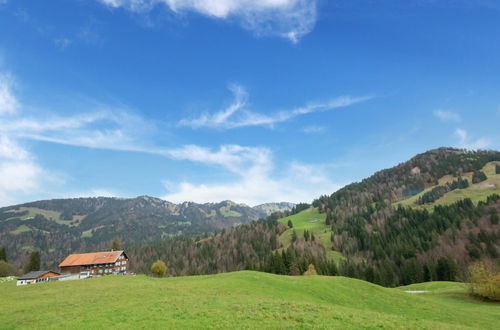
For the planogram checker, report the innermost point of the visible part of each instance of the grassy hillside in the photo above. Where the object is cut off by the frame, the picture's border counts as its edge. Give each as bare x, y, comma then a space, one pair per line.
476, 192
239, 300
314, 222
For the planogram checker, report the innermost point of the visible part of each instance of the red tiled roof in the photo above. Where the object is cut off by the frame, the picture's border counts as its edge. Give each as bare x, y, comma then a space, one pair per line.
91, 258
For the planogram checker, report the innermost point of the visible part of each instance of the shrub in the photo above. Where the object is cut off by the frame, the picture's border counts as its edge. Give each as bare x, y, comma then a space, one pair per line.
311, 270
159, 268
485, 280
6, 269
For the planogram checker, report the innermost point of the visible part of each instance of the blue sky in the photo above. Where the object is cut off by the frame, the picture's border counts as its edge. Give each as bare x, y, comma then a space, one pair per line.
253, 101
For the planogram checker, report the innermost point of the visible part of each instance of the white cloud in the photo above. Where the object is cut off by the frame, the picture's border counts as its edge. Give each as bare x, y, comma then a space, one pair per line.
466, 142
313, 129
106, 128
236, 115
448, 116
101, 128
19, 172
256, 183
291, 19
8, 102
62, 43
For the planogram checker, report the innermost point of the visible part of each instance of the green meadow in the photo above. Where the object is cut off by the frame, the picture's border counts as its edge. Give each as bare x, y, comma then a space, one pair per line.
476, 192
302, 221
243, 300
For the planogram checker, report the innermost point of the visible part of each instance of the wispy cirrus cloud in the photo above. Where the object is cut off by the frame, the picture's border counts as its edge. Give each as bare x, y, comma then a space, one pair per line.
8, 102
291, 19
62, 43
237, 115
251, 170
101, 128
314, 129
447, 116
465, 141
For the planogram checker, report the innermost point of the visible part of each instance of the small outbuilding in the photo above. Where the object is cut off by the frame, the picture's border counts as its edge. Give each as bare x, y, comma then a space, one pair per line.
36, 277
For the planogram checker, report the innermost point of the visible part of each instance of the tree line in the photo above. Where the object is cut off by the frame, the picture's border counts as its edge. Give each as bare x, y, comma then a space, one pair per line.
439, 191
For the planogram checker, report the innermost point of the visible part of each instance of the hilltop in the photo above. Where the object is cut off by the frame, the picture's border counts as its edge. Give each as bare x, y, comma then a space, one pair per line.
243, 300
433, 214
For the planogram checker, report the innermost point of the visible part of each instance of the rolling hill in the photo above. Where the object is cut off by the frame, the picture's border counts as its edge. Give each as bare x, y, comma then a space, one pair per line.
244, 300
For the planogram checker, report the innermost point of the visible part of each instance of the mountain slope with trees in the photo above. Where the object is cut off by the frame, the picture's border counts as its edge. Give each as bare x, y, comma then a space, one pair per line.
363, 231
390, 242
396, 227
62, 226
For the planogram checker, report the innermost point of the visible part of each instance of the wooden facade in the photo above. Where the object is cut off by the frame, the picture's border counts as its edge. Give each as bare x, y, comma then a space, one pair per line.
98, 263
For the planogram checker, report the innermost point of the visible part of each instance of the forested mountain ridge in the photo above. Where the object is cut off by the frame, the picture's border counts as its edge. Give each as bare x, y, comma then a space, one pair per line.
424, 219
407, 179
365, 230
389, 237
61, 226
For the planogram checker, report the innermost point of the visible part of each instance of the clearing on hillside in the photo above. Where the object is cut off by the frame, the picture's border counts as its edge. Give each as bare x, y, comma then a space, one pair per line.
476, 192
314, 222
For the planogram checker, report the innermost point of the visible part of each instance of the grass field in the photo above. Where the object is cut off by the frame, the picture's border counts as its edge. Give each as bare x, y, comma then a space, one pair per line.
476, 192
301, 221
240, 300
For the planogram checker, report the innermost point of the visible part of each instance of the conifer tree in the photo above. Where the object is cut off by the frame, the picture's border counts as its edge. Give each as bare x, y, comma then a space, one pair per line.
328, 220
478, 176
3, 254
34, 262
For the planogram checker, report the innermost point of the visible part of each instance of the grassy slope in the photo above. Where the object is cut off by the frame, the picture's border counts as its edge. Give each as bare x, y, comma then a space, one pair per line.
476, 192
301, 222
238, 300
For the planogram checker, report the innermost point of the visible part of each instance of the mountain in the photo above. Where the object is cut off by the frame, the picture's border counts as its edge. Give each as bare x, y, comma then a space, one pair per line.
270, 208
433, 214
61, 226
381, 229
425, 219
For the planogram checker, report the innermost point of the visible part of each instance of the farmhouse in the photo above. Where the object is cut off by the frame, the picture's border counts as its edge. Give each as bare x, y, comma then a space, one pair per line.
36, 277
97, 263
